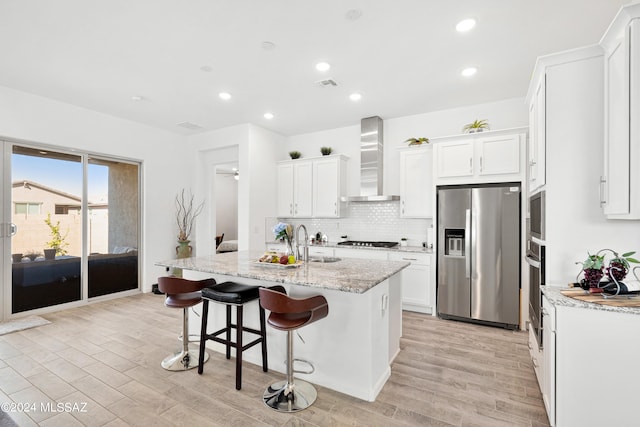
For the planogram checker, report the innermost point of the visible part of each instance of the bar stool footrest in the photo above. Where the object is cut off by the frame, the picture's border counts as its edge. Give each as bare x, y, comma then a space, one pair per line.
311, 367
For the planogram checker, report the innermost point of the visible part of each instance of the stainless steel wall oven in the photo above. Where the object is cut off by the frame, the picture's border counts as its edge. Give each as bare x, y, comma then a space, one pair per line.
535, 259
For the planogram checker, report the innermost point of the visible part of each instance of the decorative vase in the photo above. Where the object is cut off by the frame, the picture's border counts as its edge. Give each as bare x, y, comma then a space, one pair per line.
289, 248
183, 250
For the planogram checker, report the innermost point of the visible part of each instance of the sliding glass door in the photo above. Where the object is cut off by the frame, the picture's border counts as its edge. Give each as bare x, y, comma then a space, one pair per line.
70, 227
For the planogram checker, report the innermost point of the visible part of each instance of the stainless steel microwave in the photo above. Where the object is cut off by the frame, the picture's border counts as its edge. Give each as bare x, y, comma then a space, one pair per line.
537, 215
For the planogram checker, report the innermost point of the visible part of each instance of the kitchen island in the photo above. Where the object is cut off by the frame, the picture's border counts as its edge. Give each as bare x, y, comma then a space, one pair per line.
352, 348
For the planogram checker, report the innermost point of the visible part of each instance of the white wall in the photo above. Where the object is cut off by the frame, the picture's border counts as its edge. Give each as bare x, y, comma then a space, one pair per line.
35, 119
505, 114
257, 152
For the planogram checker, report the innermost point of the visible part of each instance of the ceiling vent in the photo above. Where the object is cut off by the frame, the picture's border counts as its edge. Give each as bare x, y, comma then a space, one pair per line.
327, 83
190, 126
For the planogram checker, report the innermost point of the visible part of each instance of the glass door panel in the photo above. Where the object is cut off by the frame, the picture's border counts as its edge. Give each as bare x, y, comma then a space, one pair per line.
113, 226
46, 249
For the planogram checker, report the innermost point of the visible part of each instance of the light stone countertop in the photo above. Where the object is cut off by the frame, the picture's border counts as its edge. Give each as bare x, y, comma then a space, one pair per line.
556, 298
347, 275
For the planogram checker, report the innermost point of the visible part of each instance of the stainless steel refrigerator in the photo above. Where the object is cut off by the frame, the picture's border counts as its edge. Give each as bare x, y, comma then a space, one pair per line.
478, 269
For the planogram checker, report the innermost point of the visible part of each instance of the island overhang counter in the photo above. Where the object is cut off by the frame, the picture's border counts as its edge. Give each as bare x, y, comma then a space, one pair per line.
351, 349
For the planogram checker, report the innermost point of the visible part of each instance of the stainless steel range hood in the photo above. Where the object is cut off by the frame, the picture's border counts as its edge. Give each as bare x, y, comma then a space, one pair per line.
371, 163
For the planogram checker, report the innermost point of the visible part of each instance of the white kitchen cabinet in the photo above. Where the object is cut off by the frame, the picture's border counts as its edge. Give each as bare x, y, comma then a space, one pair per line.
548, 386
537, 135
536, 358
311, 188
361, 253
329, 184
417, 289
295, 189
416, 182
483, 157
620, 183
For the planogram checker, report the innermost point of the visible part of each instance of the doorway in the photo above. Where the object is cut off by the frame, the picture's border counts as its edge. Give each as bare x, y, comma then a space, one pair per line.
226, 205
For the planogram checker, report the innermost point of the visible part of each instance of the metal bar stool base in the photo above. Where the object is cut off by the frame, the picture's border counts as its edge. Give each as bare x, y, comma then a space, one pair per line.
183, 361
285, 397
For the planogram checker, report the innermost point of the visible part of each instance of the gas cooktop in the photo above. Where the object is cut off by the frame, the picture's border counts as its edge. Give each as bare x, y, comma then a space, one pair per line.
367, 244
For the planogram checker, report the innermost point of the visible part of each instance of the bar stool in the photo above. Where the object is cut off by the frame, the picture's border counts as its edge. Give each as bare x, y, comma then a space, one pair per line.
289, 314
232, 294
183, 293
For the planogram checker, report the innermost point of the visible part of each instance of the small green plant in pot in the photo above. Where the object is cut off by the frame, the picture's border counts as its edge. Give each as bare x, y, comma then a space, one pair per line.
417, 141
592, 267
476, 126
295, 154
326, 151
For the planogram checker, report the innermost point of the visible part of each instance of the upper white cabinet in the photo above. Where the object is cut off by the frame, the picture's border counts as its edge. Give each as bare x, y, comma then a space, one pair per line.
416, 182
295, 179
495, 156
329, 184
311, 187
620, 183
536, 161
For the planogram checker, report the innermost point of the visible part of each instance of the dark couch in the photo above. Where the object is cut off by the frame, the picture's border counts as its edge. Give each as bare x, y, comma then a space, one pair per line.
44, 283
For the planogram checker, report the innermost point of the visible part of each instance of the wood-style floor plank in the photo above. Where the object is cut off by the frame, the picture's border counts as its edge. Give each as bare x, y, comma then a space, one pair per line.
108, 354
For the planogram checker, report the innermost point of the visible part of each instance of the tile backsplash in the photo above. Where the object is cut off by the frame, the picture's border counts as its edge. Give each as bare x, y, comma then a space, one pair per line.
375, 221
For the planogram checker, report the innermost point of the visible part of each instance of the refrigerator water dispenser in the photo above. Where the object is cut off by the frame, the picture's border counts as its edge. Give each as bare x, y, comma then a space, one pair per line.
454, 242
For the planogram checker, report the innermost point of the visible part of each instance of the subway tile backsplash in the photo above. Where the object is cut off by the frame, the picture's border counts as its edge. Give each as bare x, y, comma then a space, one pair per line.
364, 221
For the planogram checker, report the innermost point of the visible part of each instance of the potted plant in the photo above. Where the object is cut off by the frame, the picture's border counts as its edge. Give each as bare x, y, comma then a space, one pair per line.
417, 141
326, 150
592, 267
295, 154
186, 214
476, 126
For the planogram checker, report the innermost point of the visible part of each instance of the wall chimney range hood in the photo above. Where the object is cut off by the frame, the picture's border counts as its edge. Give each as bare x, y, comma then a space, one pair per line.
371, 163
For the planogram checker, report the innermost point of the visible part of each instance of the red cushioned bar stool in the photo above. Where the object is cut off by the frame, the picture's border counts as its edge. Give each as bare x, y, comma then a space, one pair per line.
183, 293
289, 314
233, 294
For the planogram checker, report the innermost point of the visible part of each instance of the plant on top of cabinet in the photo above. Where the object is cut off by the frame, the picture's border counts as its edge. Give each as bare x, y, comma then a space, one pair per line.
295, 154
476, 126
326, 150
417, 141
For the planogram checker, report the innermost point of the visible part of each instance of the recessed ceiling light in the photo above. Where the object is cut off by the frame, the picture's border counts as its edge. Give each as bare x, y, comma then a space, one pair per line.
465, 25
355, 97
322, 66
137, 98
224, 95
268, 45
206, 68
468, 72
268, 116
353, 14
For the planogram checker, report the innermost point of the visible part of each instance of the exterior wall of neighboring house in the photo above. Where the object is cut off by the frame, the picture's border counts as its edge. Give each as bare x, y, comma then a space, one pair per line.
33, 231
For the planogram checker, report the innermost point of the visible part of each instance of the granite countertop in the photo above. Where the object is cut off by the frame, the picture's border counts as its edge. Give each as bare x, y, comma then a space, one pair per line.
556, 298
347, 275
415, 249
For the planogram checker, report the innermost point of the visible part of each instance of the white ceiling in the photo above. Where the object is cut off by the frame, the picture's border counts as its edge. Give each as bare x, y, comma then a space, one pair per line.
403, 56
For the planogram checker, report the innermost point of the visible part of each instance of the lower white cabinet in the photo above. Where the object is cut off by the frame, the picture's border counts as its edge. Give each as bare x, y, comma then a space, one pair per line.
548, 386
417, 292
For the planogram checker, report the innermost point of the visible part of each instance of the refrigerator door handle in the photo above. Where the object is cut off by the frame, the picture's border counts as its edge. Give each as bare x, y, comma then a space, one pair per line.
467, 238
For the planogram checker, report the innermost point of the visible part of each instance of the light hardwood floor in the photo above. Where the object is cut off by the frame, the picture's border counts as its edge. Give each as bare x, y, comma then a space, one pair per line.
108, 355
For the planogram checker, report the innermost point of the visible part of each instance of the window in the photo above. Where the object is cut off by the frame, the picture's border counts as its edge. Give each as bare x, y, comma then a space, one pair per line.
27, 208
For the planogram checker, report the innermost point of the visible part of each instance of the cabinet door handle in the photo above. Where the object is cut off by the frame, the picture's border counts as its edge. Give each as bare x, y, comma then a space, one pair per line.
471, 164
603, 189
532, 162
335, 208
295, 211
410, 259
290, 208
544, 312
481, 164
535, 363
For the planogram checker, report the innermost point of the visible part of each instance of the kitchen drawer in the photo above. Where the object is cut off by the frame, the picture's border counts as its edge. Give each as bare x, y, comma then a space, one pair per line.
412, 257
319, 251
361, 253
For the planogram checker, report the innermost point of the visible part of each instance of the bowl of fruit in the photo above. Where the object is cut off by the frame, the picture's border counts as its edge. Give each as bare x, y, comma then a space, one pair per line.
278, 260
